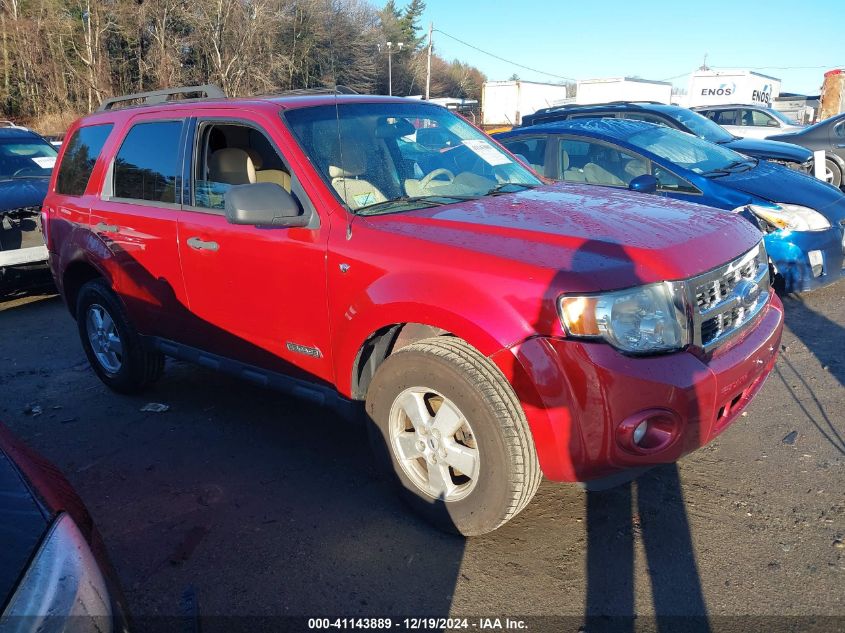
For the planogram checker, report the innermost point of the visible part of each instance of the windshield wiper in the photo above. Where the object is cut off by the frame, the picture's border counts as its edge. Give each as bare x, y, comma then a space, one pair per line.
732, 168
500, 188
435, 200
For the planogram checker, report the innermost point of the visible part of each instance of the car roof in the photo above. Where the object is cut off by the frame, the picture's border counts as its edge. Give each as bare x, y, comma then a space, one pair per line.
274, 102
617, 129
14, 132
616, 106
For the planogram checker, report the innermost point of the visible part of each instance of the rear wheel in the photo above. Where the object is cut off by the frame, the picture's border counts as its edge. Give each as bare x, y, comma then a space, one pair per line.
112, 344
447, 427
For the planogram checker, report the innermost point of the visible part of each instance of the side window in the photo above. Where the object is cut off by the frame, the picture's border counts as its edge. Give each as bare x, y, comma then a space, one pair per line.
532, 149
80, 156
598, 163
148, 163
761, 119
724, 117
229, 154
667, 181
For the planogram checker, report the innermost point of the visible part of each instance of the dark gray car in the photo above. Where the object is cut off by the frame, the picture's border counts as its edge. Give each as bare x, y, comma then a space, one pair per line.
827, 135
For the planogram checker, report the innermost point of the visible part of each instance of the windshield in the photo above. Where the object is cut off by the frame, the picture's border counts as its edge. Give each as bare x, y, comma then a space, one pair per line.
690, 152
392, 156
25, 158
783, 118
701, 126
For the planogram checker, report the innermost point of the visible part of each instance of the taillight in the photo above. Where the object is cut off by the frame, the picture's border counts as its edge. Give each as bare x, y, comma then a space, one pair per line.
45, 215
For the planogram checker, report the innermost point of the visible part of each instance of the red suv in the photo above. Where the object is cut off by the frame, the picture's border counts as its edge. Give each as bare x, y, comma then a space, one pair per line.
375, 249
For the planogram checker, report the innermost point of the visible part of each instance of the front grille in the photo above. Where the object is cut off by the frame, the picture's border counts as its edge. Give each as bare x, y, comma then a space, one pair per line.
726, 299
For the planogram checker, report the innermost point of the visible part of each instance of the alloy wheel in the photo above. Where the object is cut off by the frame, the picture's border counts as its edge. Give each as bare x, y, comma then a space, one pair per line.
434, 444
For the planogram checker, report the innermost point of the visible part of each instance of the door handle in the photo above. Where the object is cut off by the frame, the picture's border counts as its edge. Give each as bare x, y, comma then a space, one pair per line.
200, 244
102, 227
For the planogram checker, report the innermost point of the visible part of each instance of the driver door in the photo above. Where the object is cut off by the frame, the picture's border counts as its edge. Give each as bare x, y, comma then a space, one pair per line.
256, 294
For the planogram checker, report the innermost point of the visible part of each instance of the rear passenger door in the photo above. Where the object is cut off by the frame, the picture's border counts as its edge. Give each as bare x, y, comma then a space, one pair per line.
257, 294
135, 221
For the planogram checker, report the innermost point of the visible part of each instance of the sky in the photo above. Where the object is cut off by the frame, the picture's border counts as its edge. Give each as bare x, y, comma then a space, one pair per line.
652, 39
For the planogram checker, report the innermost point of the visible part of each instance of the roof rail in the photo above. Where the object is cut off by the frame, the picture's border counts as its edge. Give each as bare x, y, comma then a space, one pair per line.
341, 90
208, 91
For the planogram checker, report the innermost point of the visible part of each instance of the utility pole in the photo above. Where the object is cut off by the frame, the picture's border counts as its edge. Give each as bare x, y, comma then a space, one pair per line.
428, 72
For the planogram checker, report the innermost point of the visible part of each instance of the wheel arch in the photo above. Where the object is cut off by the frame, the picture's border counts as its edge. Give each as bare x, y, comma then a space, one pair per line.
76, 275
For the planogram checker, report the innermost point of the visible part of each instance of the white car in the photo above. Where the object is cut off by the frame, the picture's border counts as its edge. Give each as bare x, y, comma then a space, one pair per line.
749, 120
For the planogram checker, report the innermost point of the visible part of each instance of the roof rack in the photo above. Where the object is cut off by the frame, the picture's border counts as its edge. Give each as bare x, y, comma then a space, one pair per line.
341, 90
208, 91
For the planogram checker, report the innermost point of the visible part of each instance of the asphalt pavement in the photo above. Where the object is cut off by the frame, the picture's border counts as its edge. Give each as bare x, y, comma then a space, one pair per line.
253, 503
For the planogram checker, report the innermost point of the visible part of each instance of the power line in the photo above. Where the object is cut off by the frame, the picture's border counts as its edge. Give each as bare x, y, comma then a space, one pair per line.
507, 61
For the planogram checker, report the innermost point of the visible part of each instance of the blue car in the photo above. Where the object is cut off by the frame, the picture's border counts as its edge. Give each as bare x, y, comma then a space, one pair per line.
802, 218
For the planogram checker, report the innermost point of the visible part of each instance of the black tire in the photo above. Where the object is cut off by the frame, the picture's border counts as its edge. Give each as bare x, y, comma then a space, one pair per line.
836, 172
509, 471
139, 365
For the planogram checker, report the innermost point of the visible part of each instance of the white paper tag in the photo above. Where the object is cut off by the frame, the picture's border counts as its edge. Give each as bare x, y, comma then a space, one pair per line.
487, 152
45, 162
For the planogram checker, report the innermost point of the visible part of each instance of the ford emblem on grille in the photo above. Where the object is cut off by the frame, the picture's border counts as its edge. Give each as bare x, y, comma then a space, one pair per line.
747, 292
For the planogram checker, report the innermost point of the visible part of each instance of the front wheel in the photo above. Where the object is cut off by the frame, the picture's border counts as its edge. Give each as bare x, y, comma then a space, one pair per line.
112, 344
833, 174
448, 428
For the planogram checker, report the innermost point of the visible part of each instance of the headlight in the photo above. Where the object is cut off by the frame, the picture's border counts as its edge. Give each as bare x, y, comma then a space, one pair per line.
63, 588
641, 320
790, 216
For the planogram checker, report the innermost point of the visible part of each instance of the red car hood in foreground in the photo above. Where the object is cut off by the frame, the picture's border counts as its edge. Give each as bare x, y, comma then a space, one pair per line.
595, 238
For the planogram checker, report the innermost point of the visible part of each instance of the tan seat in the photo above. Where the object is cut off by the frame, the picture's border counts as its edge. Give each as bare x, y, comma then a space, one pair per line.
600, 176
277, 176
231, 166
636, 167
570, 174
345, 170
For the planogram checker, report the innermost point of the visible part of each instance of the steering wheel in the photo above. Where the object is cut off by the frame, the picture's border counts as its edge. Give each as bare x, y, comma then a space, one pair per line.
20, 171
434, 174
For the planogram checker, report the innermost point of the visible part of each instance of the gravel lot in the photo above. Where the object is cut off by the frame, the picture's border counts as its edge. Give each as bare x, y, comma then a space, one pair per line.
265, 505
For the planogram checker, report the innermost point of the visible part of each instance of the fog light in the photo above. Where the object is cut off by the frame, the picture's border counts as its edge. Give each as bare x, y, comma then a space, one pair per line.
639, 432
816, 262
649, 431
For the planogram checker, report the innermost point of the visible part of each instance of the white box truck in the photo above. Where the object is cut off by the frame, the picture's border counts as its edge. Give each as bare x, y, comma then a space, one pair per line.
720, 87
622, 89
504, 103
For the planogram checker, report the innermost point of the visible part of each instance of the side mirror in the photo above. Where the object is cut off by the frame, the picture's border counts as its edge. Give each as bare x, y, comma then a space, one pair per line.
263, 204
644, 184
772, 123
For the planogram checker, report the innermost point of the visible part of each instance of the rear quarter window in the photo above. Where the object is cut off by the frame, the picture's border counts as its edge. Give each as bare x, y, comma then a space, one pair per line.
80, 156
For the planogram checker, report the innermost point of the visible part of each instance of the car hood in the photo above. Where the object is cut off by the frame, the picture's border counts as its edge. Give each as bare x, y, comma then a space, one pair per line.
589, 237
22, 524
22, 192
781, 184
768, 149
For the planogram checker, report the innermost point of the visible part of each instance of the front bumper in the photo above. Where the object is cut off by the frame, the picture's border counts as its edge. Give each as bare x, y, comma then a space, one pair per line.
790, 253
580, 397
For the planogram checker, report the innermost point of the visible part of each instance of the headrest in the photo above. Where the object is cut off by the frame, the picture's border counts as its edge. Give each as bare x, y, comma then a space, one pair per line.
564, 159
232, 166
255, 157
390, 127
